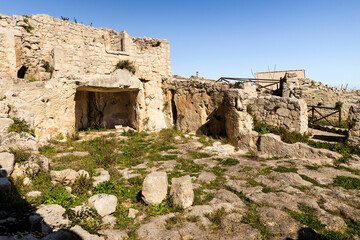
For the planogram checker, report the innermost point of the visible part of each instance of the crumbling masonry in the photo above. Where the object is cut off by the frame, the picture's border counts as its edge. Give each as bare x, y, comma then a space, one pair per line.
60, 76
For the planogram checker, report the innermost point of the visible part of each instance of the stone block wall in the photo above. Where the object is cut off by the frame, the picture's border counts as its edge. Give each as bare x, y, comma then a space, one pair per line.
78, 49
315, 92
354, 119
196, 105
290, 113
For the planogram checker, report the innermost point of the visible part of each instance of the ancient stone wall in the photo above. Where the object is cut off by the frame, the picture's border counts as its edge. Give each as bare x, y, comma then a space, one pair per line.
315, 93
354, 119
196, 105
290, 113
75, 48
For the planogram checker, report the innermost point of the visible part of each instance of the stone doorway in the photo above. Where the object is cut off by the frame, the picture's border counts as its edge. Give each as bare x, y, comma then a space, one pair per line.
95, 109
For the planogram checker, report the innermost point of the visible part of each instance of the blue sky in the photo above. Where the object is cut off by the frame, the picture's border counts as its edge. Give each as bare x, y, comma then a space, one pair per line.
231, 38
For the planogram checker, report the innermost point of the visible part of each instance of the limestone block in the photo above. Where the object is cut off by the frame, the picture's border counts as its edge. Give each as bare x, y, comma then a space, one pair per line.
182, 192
5, 124
7, 161
104, 204
270, 145
154, 188
53, 215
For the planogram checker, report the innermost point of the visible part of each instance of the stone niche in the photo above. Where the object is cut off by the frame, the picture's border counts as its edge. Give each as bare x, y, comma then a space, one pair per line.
95, 109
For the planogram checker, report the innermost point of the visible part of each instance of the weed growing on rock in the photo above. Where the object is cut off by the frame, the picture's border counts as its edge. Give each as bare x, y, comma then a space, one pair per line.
173, 221
126, 64
20, 126
88, 219
20, 155
216, 217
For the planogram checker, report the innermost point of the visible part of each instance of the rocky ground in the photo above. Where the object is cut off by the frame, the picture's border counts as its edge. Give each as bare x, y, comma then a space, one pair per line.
193, 187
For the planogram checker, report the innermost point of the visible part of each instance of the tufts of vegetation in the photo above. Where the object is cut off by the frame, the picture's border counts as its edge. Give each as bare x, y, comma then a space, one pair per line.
339, 104
20, 126
206, 141
253, 219
126, 64
47, 150
307, 217
347, 182
230, 162
20, 155
88, 219
285, 169
215, 218
198, 155
48, 68
58, 195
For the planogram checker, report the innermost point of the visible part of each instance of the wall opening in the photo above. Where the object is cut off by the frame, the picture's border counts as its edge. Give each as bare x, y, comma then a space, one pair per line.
105, 109
21, 72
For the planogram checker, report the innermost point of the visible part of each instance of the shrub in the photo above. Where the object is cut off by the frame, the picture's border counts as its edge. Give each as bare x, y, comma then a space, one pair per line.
48, 68
20, 126
338, 104
126, 64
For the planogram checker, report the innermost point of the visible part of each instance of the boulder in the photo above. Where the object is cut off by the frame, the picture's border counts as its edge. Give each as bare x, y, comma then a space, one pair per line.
154, 188
84, 235
33, 194
104, 204
7, 161
113, 234
182, 192
5, 124
109, 220
132, 212
5, 185
23, 141
67, 175
53, 215
43, 161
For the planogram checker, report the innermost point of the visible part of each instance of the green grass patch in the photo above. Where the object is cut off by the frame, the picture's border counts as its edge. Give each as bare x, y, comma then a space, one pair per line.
306, 216
309, 179
230, 162
47, 150
265, 171
313, 167
285, 169
347, 182
198, 155
189, 166
253, 219
206, 141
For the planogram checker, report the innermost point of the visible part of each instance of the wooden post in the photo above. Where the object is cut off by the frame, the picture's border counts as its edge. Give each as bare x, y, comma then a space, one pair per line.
339, 117
312, 114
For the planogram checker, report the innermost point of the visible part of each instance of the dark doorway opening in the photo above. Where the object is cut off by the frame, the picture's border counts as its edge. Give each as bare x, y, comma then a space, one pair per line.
105, 109
21, 72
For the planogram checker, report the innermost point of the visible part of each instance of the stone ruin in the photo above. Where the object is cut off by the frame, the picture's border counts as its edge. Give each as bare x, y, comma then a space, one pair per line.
60, 76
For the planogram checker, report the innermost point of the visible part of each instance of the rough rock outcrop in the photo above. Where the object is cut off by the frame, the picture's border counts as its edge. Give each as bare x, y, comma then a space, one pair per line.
270, 145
